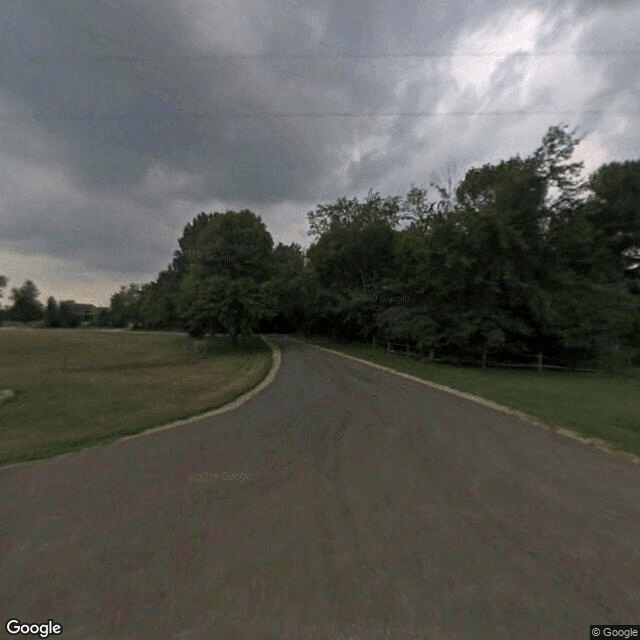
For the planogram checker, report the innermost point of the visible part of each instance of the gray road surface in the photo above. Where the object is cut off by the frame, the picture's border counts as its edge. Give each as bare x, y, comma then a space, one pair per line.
348, 504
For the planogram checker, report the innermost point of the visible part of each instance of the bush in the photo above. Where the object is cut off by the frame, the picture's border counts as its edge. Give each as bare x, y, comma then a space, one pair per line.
617, 359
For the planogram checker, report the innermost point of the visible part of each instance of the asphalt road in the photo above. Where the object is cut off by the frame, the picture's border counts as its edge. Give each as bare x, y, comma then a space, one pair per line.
348, 503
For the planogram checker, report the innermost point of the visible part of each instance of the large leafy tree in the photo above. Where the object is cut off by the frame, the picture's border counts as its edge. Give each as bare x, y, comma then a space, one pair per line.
26, 307
421, 275
286, 289
219, 303
235, 244
158, 300
229, 264
587, 308
345, 213
68, 314
352, 260
487, 254
183, 256
125, 305
615, 215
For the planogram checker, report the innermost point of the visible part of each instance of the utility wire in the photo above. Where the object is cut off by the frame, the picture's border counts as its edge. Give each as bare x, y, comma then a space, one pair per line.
89, 117
165, 57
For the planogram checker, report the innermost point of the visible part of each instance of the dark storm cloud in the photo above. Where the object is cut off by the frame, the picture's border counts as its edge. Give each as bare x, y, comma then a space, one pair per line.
126, 67
616, 74
124, 119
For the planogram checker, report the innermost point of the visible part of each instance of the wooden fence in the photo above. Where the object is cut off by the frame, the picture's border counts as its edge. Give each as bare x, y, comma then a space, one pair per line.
538, 363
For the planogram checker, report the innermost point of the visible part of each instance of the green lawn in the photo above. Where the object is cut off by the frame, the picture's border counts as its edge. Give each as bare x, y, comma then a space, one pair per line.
81, 387
594, 405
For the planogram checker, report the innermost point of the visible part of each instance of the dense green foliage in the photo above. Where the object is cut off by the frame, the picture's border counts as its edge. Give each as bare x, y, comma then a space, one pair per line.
26, 307
517, 258
520, 257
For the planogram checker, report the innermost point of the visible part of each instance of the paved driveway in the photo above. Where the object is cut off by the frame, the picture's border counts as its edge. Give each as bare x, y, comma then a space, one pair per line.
341, 502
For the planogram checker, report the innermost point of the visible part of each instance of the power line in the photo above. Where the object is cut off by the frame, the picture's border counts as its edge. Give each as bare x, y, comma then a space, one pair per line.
165, 57
88, 117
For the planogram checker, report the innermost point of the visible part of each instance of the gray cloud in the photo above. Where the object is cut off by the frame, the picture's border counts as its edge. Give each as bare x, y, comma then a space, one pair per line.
123, 119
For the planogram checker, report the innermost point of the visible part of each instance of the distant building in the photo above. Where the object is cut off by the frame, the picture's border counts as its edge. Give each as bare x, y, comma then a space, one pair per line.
87, 312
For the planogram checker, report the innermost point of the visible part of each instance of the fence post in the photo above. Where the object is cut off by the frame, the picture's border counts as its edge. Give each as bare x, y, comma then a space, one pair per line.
431, 355
484, 359
373, 342
388, 346
540, 362
188, 349
408, 352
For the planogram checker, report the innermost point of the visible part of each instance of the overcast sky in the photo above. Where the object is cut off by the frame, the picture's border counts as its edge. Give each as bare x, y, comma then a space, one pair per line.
120, 120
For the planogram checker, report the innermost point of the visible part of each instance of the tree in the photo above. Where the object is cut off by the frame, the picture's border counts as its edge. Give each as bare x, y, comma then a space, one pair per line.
235, 306
410, 324
125, 305
158, 300
51, 314
615, 215
590, 303
351, 258
559, 175
484, 258
234, 244
68, 314
184, 256
420, 211
345, 213
102, 318
26, 307
285, 287
230, 262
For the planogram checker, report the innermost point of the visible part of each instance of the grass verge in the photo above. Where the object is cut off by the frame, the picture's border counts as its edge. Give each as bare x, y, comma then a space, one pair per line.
77, 388
593, 405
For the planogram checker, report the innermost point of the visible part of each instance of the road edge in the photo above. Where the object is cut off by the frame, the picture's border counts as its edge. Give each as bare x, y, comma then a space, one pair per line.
563, 431
238, 402
276, 354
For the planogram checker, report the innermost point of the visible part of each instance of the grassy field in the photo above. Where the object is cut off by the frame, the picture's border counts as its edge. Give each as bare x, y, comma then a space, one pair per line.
593, 405
81, 387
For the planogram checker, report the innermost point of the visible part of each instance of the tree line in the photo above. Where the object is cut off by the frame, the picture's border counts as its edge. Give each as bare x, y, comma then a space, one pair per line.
519, 257
27, 308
